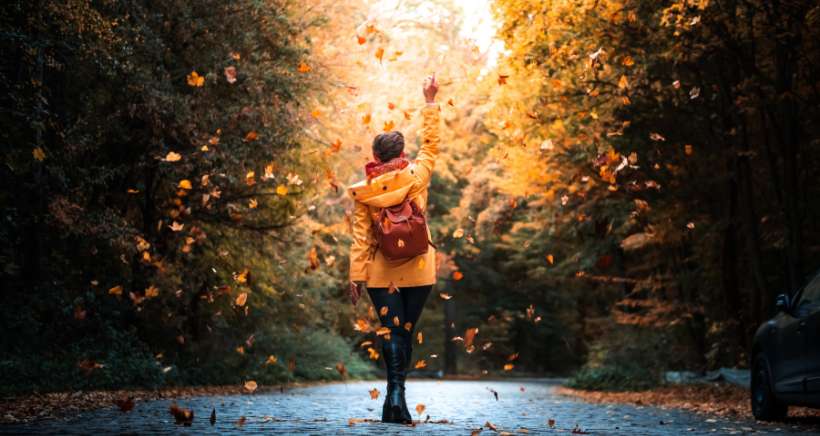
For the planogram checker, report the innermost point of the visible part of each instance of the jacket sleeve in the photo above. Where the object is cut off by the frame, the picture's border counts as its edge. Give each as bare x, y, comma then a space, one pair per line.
426, 159
362, 241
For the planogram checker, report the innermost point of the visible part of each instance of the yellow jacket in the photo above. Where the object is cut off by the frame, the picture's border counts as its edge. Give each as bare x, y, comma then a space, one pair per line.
367, 262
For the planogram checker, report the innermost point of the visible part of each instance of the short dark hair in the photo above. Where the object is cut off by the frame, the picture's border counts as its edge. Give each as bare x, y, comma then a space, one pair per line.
388, 145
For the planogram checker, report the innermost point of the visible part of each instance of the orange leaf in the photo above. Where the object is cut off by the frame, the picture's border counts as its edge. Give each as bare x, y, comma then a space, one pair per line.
383, 311
445, 296
366, 118
457, 275
420, 364
361, 39
388, 126
379, 53
419, 338
250, 386
251, 136
391, 105
195, 80
374, 393
336, 146
420, 408
502, 79
396, 321
304, 68
241, 299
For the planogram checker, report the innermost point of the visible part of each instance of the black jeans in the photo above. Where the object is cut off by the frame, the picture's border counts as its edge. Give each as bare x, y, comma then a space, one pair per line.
406, 304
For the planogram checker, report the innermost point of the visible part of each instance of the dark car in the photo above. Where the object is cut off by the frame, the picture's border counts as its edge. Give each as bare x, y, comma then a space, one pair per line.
786, 355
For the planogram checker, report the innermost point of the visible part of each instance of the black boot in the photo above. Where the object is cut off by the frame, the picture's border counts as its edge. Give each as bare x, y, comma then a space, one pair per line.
395, 406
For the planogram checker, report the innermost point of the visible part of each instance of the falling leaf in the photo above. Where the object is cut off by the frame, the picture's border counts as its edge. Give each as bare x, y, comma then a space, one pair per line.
469, 336
271, 360
151, 292
315, 113
512, 357
366, 118
281, 190
242, 276
382, 331
383, 311
38, 154
688, 149
391, 105
690, 226
181, 416
407, 115
491, 426
420, 364
450, 102
694, 93
374, 355
365, 343
361, 39
374, 393
395, 55
502, 79
195, 79
419, 338
336, 146
251, 136
508, 367
546, 145
445, 296
623, 83
457, 275
458, 233
252, 203
304, 68
340, 368
396, 321
230, 74
656, 137
420, 408
250, 386
379, 54
185, 184
550, 259
627, 61
116, 290
408, 326
241, 299
172, 157
388, 126
313, 258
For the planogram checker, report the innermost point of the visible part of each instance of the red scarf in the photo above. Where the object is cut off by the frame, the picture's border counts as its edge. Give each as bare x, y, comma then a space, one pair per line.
375, 169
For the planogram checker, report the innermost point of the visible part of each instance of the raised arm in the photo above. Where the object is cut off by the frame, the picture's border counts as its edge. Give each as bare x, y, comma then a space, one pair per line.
426, 158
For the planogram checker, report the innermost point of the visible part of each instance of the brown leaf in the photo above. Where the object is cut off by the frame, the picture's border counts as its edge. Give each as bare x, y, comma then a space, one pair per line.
374, 393
181, 415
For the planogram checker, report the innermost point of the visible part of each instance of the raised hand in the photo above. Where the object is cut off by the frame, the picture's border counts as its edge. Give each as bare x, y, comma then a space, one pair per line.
430, 88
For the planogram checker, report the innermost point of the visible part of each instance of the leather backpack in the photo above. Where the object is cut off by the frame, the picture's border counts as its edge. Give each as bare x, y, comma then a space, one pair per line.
401, 231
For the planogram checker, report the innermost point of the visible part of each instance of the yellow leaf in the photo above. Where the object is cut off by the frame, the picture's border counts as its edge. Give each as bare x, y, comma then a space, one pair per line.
241, 299
282, 190
241, 277
250, 386
185, 184
252, 204
38, 154
176, 227
195, 79
116, 290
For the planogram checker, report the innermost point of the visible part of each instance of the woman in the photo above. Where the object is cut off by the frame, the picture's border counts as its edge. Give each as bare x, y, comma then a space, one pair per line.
397, 288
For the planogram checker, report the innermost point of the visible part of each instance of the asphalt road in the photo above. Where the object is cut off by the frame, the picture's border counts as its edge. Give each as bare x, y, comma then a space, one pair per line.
453, 407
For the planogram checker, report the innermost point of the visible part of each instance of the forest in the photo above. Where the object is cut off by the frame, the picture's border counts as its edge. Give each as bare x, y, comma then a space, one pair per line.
624, 186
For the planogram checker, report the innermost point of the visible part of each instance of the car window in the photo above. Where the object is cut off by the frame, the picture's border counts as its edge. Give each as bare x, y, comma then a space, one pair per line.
810, 298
